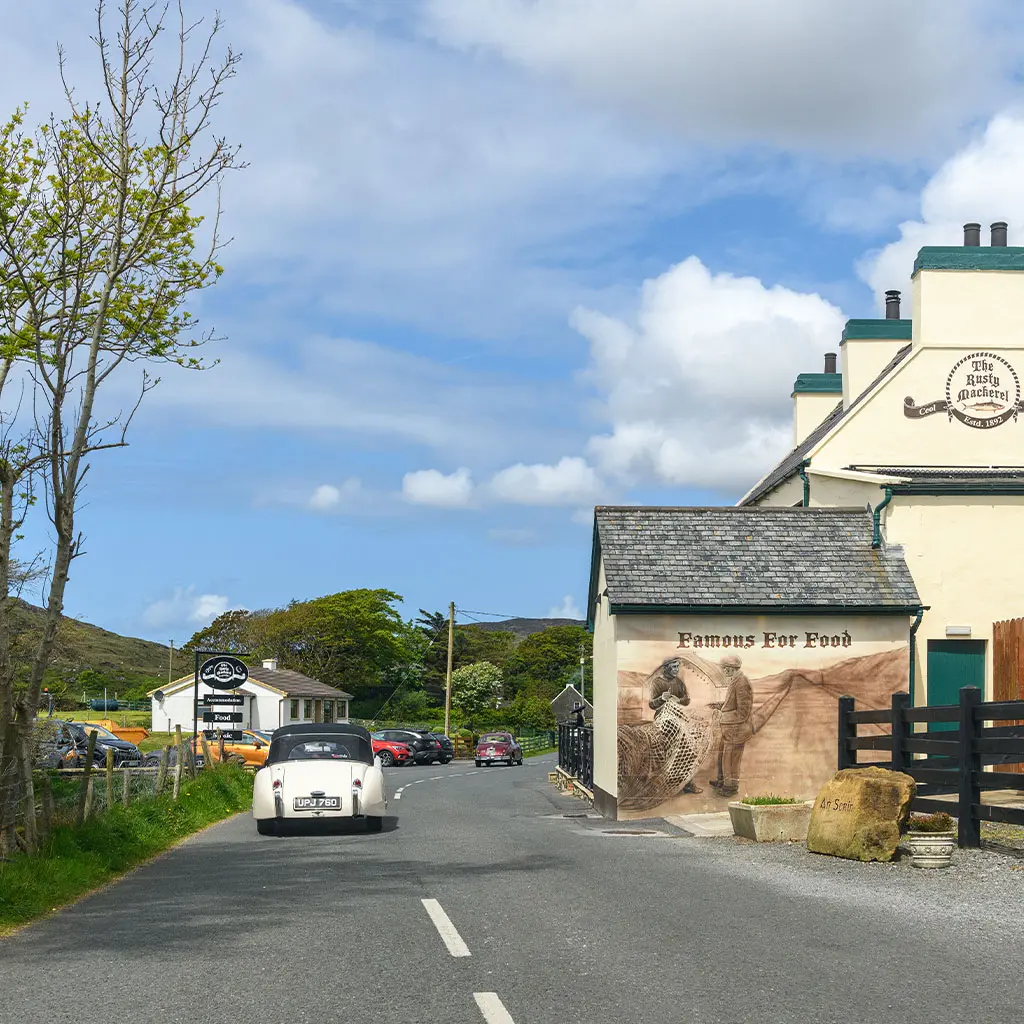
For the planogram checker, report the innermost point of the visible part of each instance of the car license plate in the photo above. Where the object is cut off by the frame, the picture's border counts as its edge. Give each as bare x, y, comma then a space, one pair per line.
316, 803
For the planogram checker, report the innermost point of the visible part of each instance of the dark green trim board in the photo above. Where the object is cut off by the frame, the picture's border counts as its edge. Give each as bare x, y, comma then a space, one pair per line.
965, 487
882, 330
807, 482
763, 609
914, 627
595, 563
818, 384
970, 257
876, 515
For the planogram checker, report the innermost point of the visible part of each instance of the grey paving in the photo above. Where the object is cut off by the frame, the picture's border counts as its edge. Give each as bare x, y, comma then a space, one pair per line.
565, 923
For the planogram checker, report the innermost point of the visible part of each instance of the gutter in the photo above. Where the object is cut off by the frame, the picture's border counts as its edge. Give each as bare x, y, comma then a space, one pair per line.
913, 644
876, 534
807, 483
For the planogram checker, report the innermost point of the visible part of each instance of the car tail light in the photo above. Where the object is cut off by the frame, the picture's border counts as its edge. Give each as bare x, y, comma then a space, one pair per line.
277, 784
357, 783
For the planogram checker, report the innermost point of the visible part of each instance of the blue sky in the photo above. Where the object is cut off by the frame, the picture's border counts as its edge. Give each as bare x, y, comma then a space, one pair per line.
495, 261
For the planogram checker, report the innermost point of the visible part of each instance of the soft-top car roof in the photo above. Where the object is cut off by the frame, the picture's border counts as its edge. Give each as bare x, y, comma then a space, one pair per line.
289, 736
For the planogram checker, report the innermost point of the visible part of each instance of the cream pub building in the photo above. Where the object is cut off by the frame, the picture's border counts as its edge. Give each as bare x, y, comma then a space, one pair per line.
873, 558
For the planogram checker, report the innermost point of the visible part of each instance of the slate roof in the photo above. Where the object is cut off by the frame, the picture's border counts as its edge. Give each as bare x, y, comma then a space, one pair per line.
291, 684
736, 558
791, 464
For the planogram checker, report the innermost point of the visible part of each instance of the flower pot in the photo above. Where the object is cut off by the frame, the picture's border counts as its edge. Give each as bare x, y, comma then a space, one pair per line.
770, 823
930, 849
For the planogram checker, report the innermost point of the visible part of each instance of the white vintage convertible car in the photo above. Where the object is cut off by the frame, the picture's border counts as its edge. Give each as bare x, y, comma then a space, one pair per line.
319, 772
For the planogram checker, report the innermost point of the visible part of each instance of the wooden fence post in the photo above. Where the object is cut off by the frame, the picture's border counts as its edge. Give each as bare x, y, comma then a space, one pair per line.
207, 758
220, 746
846, 731
126, 786
968, 734
46, 789
161, 772
83, 795
88, 796
110, 778
900, 705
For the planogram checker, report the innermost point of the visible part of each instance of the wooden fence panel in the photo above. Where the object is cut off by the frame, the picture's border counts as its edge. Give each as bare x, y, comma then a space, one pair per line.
1008, 670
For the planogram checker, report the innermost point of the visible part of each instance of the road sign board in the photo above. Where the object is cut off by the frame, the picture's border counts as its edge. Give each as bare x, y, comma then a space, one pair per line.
222, 716
223, 672
230, 735
224, 699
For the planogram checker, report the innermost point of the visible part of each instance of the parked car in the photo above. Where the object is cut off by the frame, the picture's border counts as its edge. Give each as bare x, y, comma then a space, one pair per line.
126, 754
253, 746
447, 747
498, 746
390, 752
426, 749
319, 771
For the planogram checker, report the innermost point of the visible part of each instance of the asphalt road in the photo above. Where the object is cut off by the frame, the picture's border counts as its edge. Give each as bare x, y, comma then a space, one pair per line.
562, 922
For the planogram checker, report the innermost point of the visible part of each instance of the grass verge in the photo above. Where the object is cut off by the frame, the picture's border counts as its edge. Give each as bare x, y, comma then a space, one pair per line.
78, 860
538, 753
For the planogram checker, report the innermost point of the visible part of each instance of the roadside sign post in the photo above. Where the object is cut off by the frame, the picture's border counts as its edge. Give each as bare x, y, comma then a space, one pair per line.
220, 671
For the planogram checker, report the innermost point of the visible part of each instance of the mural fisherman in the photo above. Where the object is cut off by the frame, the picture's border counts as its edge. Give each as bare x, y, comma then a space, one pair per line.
735, 727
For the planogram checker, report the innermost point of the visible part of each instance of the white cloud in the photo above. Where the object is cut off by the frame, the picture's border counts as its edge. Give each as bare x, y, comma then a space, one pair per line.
185, 608
571, 481
568, 609
843, 77
328, 498
980, 183
432, 487
697, 389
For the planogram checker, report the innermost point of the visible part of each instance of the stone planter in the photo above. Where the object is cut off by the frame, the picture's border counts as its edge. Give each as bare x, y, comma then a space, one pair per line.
930, 849
770, 823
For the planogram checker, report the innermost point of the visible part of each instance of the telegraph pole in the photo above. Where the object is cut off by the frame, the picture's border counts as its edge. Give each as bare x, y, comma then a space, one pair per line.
583, 685
448, 678
170, 663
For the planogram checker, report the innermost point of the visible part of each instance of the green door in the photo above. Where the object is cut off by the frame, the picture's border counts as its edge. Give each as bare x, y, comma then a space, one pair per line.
952, 664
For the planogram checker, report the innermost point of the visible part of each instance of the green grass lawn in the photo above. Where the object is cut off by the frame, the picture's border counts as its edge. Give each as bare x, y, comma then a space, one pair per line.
78, 860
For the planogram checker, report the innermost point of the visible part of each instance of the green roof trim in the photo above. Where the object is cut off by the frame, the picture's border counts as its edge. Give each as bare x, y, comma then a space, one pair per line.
818, 384
970, 257
883, 330
779, 608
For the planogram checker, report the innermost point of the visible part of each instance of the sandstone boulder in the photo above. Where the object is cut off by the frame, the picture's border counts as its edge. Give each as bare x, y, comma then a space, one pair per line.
859, 814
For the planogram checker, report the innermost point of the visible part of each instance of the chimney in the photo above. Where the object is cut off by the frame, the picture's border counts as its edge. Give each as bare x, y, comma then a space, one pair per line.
972, 234
892, 305
830, 362
999, 232
270, 664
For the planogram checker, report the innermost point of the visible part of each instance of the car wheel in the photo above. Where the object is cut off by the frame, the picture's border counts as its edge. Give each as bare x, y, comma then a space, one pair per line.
445, 760
374, 823
478, 763
520, 762
387, 759
266, 826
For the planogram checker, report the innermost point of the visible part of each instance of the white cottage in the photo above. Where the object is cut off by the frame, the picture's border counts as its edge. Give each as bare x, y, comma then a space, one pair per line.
274, 697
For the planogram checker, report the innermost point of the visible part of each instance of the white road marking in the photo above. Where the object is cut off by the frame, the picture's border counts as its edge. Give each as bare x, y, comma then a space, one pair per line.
434, 778
451, 938
492, 1008
398, 795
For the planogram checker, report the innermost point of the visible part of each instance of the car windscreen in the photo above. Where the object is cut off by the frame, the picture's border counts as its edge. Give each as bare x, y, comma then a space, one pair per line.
101, 733
494, 737
326, 747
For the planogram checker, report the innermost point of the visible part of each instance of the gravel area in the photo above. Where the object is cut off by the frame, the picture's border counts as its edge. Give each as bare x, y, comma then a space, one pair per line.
1006, 837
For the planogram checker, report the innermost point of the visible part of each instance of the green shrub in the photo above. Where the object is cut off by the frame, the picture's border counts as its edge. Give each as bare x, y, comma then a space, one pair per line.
758, 801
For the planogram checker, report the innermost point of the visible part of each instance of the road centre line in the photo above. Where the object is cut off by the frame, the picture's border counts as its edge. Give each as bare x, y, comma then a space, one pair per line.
449, 935
492, 1008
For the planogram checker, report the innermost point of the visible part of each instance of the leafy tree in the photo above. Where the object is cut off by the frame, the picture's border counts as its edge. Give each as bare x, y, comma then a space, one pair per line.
528, 711
233, 632
544, 662
476, 687
493, 645
98, 258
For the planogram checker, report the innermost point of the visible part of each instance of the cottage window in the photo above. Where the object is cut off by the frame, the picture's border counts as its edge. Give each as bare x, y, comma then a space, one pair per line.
293, 710
328, 710
307, 710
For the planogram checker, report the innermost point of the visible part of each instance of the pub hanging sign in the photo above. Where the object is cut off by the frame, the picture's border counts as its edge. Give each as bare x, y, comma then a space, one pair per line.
982, 391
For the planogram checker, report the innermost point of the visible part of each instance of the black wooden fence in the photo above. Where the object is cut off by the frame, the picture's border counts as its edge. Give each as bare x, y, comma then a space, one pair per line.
576, 752
961, 741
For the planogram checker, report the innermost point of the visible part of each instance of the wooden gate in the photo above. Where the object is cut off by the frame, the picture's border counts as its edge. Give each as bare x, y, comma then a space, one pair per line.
1008, 669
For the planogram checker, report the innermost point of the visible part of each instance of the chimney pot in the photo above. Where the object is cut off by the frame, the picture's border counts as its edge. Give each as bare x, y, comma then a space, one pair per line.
830, 362
999, 232
972, 234
270, 664
892, 304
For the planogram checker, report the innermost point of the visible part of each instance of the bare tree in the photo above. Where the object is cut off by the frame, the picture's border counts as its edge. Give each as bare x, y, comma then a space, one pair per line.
99, 253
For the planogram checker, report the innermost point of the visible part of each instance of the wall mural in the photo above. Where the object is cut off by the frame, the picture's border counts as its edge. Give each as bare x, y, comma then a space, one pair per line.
720, 717
982, 391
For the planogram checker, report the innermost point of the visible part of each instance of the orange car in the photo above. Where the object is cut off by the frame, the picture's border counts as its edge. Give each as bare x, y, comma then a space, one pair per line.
253, 746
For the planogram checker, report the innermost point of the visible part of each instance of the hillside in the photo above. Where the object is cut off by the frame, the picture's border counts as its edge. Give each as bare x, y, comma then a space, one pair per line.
522, 627
81, 645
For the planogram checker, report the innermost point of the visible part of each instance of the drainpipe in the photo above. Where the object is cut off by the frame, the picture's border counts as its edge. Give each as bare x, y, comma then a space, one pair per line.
807, 483
876, 536
913, 642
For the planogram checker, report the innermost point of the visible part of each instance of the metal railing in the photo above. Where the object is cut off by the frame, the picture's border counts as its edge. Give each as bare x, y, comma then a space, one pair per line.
576, 752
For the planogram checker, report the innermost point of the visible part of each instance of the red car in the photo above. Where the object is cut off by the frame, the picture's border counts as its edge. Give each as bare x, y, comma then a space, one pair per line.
498, 746
390, 752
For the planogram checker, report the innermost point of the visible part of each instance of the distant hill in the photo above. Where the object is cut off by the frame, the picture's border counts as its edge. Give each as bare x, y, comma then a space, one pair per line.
82, 645
522, 627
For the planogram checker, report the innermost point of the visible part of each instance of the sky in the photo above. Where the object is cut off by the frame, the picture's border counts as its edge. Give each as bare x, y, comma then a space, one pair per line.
497, 261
